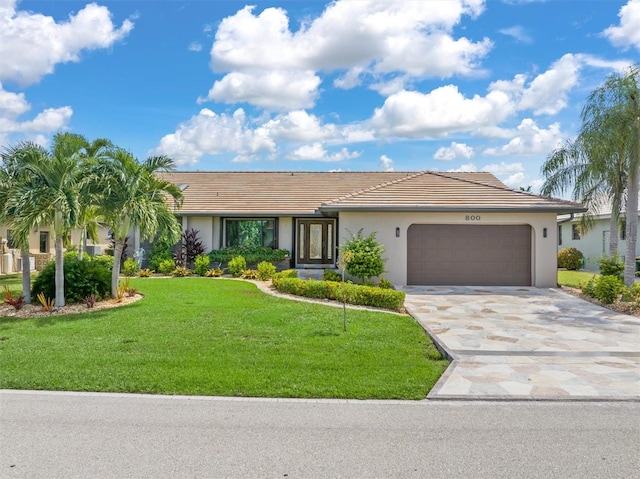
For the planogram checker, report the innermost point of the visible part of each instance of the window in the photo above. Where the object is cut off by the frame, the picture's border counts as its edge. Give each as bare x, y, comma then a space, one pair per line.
250, 233
10, 243
44, 241
623, 230
560, 235
575, 232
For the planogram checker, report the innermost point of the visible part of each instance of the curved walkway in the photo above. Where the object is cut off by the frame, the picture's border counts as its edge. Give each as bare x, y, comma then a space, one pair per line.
528, 343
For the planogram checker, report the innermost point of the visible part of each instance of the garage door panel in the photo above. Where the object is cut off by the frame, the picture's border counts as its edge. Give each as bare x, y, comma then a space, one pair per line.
483, 255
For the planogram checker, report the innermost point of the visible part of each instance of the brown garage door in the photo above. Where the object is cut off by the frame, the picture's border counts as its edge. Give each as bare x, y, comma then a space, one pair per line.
472, 255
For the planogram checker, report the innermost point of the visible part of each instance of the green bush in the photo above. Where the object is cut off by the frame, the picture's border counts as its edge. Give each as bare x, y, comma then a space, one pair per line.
237, 266
570, 258
631, 294
287, 273
351, 293
81, 279
104, 259
266, 270
130, 267
202, 264
611, 266
252, 255
363, 256
607, 288
166, 266
385, 284
587, 288
160, 252
332, 275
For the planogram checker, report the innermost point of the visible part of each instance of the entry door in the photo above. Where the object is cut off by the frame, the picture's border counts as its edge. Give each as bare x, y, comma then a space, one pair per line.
316, 244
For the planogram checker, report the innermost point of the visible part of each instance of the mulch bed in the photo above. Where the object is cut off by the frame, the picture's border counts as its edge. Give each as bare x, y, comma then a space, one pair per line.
625, 307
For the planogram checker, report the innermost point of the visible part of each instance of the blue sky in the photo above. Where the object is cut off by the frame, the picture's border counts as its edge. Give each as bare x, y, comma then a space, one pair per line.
351, 85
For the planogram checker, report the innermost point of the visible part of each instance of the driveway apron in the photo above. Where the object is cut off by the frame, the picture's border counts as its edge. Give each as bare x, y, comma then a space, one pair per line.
528, 343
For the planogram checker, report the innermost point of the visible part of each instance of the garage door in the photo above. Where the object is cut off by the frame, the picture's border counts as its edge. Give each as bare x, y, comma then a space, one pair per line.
472, 255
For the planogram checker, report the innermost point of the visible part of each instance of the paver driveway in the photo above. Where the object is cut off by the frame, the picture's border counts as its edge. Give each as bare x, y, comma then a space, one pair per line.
528, 343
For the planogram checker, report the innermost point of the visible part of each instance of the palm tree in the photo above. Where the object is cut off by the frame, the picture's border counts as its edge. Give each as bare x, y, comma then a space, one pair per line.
50, 194
615, 108
11, 174
132, 195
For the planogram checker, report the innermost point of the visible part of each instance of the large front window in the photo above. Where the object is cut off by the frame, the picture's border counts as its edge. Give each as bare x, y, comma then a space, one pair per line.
250, 232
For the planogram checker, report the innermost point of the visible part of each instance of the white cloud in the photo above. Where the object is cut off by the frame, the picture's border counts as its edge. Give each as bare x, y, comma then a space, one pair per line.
210, 133
411, 114
299, 126
317, 152
530, 139
466, 167
386, 163
627, 34
31, 44
453, 152
518, 33
272, 90
548, 92
195, 47
364, 38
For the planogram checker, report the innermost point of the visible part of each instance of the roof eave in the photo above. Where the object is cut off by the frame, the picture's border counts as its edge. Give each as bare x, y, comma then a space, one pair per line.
447, 209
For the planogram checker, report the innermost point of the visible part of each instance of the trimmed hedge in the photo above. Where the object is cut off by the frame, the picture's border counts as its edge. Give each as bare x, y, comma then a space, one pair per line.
251, 255
354, 293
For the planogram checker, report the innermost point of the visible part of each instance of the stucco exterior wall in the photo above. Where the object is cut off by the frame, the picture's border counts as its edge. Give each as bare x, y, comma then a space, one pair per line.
594, 244
285, 233
205, 227
543, 255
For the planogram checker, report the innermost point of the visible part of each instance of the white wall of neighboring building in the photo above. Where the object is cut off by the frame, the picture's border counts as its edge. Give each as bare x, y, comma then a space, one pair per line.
594, 243
543, 255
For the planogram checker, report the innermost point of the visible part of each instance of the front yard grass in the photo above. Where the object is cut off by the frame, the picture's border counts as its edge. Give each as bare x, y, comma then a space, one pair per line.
220, 337
573, 279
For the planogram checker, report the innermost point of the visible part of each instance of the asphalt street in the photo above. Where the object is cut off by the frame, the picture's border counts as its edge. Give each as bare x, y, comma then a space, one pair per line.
75, 435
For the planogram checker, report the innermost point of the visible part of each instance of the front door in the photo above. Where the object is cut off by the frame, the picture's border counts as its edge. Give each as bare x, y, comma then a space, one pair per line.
315, 242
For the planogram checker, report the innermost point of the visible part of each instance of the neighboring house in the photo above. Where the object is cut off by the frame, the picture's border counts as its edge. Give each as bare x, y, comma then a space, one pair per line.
41, 247
594, 243
436, 228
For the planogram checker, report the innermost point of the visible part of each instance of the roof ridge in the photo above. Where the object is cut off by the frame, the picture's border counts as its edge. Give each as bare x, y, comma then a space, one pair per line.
375, 187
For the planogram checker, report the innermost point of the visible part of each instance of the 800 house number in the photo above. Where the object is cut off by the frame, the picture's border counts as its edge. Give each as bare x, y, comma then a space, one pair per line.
472, 218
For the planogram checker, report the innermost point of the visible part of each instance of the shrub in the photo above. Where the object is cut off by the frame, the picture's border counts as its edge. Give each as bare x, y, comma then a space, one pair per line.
237, 266
130, 267
191, 247
266, 270
570, 258
250, 274
287, 273
145, 273
351, 293
47, 303
587, 288
385, 284
607, 288
181, 271
201, 264
160, 252
631, 294
81, 279
104, 259
363, 256
16, 302
90, 301
252, 255
213, 273
331, 275
611, 266
166, 266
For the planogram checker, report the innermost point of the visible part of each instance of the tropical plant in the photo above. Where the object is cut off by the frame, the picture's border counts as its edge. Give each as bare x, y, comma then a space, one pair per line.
191, 247
365, 260
133, 195
266, 270
130, 267
201, 265
237, 266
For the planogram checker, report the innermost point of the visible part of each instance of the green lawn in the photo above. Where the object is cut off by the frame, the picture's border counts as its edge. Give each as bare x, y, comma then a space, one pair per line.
13, 281
220, 337
573, 279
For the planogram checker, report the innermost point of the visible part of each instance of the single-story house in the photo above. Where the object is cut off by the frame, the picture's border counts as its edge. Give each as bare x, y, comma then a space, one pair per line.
593, 243
436, 228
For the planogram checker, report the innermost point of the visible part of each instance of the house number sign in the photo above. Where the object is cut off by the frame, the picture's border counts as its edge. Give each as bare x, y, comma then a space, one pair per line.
472, 218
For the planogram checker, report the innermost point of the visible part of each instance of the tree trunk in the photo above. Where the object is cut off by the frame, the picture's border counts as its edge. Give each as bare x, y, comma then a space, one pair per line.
613, 233
59, 272
83, 242
632, 196
118, 246
26, 275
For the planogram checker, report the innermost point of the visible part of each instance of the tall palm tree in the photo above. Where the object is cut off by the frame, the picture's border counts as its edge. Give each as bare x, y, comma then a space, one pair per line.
615, 108
11, 174
133, 195
50, 194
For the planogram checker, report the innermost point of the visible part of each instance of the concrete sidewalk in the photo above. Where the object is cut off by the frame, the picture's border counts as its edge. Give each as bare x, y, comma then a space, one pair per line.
528, 343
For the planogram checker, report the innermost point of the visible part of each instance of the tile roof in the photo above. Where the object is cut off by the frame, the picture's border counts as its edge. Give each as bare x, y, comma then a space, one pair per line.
304, 193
